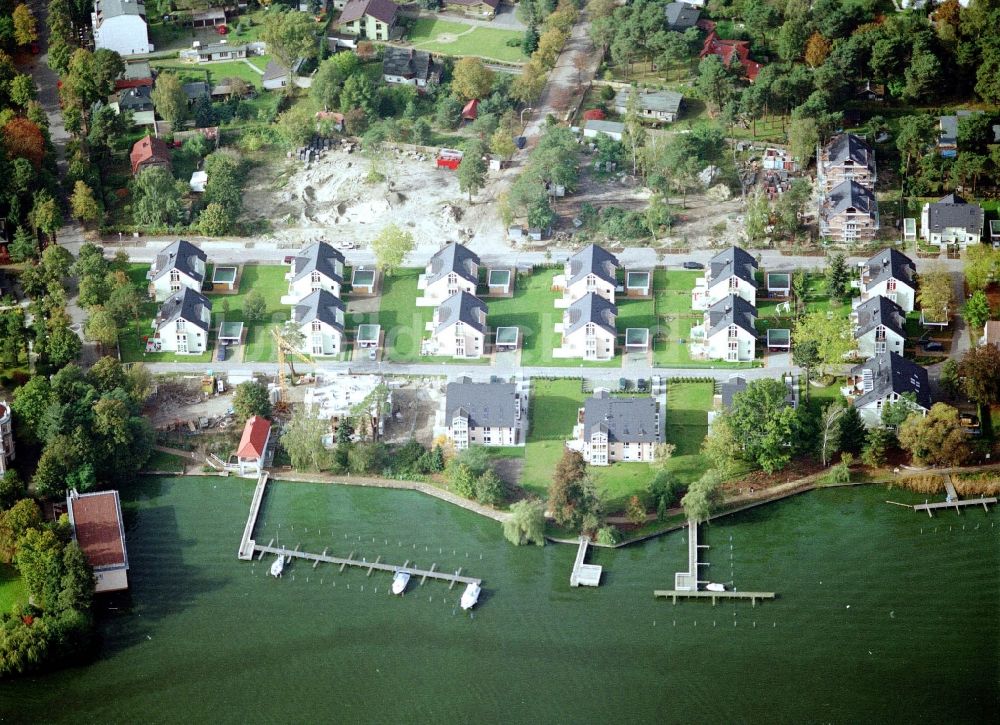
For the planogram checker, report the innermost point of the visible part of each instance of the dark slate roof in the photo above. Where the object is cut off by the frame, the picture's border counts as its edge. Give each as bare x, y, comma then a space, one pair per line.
892, 373
851, 195
384, 10
320, 305
623, 419
273, 72
185, 304
891, 263
732, 310
114, 8
139, 98
591, 308
455, 258
484, 404
461, 307
953, 211
319, 257
593, 260
408, 63
196, 90
733, 261
737, 384
877, 311
180, 255
681, 16
847, 146
669, 101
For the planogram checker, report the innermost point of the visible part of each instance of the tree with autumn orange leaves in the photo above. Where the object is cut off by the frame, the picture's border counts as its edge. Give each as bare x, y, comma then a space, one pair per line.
817, 49
23, 139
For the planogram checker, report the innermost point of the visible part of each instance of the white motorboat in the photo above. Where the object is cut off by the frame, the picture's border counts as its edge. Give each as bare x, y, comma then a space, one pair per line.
712, 587
399, 582
470, 596
279, 565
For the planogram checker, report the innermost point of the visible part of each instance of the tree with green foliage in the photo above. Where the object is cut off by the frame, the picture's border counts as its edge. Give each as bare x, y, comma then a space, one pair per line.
102, 328
63, 347
330, 78
25, 26
977, 309
936, 294
12, 489
254, 306
13, 335
895, 412
471, 79
877, 444
215, 220
290, 36
472, 169
391, 246
571, 494
488, 488
803, 136
296, 125
526, 523
45, 215
831, 335
758, 214
853, 433
22, 516
359, 91
837, 277
24, 247
251, 398
982, 266
703, 496
938, 438
169, 99
665, 490
83, 203
156, 197
715, 83
303, 440
764, 424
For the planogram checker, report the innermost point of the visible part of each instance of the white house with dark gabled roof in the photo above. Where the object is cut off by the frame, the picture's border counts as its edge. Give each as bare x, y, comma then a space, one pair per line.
484, 414
319, 316
892, 274
728, 331
183, 322
952, 220
614, 429
732, 271
452, 269
317, 267
459, 327
885, 379
879, 326
180, 264
120, 25
591, 270
588, 329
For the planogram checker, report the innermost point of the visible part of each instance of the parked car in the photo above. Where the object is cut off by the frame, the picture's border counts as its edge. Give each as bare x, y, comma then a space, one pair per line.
221, 354
693, 265
520, 142
932, 346
289, 258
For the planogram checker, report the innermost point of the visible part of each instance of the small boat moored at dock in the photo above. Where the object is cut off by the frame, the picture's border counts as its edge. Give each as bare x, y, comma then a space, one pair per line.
470, 596
399, 582
712, 587
279, 565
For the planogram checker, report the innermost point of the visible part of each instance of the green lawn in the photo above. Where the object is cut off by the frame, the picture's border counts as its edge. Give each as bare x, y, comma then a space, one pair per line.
12, 589
259, 346
816, 300
532, 310
214, 72
553, 408
161, 461
402, 321
461, 39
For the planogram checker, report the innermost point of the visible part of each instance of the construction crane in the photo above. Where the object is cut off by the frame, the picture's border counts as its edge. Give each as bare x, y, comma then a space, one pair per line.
286, 346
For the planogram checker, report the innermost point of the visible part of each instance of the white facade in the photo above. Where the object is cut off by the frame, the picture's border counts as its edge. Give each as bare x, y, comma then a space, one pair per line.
871, 412
184, 337
879, 340
949, 235
598, 452
6, 437
307, 284
732, 344
459, 340
896, 290
166, 284
708, 291
443, 288
584, 286
125, 34
462, 435
321, 338
587, 342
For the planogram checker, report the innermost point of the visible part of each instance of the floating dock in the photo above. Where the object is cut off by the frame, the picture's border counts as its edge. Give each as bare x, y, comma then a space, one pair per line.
369, 566
588, 575
674, 594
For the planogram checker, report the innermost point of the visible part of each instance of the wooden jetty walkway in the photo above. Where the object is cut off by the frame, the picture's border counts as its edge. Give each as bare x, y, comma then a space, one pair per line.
589, 575
247, 543
951, 502
370, 566
674, 594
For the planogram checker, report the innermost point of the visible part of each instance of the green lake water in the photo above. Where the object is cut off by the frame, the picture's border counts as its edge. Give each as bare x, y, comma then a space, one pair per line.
882, 615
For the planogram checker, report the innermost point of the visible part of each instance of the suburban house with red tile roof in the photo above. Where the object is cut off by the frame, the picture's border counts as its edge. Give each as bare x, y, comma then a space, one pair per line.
731, 52
96, 519
252, 450
148, 152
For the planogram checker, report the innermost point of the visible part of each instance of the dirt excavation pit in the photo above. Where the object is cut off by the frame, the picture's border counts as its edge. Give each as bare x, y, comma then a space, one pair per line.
332, 198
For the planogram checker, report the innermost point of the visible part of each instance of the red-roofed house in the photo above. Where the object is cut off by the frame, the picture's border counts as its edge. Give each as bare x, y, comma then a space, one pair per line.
253, 446
96, 519
368, 19
471, 110
149, 152
730, 52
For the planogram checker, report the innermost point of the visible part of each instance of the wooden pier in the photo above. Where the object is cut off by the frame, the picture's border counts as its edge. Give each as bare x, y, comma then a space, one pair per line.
247, 544
370, 566
714, 596
957, 505
589, 575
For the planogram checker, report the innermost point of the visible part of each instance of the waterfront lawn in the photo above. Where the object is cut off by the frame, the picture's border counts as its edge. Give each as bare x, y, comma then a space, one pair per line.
553, 409
12, 590
461, 39
163, 461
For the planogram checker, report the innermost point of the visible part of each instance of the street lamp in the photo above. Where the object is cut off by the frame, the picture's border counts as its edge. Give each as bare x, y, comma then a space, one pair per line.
529, 108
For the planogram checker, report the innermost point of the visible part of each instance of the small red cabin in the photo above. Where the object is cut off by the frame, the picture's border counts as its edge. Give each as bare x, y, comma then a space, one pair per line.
449, 159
